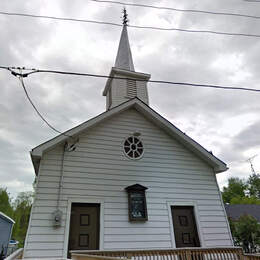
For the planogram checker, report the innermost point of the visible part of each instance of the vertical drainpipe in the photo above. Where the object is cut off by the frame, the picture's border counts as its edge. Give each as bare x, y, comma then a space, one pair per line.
57, 214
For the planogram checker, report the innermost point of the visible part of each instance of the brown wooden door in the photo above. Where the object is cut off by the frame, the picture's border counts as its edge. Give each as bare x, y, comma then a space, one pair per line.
84, 227
185, 229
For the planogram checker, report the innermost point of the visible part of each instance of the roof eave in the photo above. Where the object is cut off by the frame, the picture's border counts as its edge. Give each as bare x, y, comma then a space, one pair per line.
7, 218
126, 73
36, 160
220, 169
36, 153
218, 165
189, 143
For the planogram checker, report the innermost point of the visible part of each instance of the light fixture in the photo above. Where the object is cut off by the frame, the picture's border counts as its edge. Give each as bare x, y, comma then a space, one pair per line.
136, 133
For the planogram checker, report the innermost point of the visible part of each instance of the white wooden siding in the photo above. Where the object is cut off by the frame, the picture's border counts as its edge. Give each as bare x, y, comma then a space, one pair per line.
119, 91
99, 169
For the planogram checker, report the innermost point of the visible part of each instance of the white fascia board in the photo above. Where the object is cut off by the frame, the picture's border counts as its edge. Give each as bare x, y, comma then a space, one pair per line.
187, 141
37, 152
6, 217
151, 115
125, 73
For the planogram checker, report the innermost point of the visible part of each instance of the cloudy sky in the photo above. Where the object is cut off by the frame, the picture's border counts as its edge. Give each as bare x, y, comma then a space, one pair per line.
223, 121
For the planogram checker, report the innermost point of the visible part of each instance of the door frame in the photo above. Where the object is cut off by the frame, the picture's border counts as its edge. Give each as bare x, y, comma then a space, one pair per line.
101, 220
196, 216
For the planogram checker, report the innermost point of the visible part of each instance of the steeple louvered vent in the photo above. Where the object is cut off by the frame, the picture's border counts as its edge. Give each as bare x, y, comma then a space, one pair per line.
131, 88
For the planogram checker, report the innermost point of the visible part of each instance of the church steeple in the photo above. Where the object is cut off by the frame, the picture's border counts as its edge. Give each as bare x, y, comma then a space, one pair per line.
124, 83
124, 58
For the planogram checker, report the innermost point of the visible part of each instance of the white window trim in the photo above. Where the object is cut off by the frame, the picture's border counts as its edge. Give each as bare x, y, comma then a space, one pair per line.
67, 226
123, 145
196, 215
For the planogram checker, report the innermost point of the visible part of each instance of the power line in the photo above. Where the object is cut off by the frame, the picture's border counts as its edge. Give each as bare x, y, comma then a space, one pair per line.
59, 18
122, 78
182, 10
131, 26
33, 105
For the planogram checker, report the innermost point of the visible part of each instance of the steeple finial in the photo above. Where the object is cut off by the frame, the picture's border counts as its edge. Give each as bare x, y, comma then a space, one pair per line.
125, 15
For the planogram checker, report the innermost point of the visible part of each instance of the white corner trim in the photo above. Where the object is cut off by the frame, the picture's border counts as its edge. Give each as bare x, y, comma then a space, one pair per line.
67, 225
225, 213
28, 232
179, 202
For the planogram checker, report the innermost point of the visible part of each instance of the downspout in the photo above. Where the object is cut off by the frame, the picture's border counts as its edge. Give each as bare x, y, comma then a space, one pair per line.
57, 214
61, 175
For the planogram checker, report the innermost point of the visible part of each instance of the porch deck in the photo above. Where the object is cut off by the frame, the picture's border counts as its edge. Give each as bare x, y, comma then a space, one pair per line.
235, 253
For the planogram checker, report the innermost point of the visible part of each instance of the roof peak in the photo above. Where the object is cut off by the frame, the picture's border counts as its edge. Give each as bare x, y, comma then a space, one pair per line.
124, 58
148, 113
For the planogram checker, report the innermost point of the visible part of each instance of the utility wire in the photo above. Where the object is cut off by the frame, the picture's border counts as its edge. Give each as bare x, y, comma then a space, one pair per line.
59, 18
20, 77
181, 10
133, 26
122, 78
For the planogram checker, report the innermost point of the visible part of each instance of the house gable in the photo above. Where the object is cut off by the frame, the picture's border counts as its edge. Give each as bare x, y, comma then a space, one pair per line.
111, 134
148, 113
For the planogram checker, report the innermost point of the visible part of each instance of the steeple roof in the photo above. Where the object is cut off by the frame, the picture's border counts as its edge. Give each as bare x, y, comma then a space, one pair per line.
124, 58
124, 82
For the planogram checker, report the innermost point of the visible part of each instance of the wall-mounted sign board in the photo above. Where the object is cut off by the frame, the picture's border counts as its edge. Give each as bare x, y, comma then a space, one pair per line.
137, 209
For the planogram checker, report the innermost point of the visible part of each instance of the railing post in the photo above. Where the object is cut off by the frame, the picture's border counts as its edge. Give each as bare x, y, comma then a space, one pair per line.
240, 254
128, 255
188, 254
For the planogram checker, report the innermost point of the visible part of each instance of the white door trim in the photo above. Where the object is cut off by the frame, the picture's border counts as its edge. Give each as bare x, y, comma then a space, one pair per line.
196, 215
67, 226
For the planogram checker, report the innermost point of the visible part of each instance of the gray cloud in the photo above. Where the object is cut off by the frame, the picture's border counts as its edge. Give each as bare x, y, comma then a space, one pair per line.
217, 119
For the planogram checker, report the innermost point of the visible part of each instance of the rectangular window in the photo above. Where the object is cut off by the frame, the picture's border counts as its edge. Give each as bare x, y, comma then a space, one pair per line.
131, 88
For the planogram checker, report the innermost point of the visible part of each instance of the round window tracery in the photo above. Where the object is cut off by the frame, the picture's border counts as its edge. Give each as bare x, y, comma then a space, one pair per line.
133, 147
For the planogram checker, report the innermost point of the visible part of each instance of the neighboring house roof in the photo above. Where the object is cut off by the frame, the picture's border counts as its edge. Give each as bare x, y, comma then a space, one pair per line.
147, 112
236, 211
8, 219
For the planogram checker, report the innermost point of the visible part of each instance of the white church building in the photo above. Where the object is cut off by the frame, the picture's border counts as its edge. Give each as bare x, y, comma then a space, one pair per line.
125, 179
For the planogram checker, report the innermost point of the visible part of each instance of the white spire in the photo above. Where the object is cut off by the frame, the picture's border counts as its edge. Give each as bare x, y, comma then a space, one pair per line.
127, 84
124, 58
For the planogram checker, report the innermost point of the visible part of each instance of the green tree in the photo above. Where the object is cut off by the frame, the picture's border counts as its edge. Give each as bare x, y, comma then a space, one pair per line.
22, 208
246, 233
254, 185
236, 189
5, 203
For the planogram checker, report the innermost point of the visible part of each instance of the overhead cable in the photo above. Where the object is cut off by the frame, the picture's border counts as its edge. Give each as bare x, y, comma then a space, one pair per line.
20, 77
123, 78
131, 26
182, 10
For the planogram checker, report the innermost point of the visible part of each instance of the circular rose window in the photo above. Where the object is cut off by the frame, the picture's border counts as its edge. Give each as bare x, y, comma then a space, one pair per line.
133, 147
